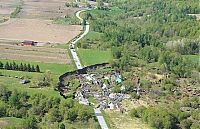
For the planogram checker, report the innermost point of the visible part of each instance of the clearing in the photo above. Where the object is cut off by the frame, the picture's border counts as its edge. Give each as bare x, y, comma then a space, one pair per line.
9, 122
118, 120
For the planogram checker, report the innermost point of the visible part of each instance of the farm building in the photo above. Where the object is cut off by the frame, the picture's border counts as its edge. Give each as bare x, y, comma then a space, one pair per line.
28, 43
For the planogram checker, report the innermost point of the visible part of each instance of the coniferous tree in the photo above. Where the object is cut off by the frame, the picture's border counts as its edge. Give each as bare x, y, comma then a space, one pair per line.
37, 68
29, 68
13, 66
17, 67
21, 68
33, 68
1, 65
7, 66
25, 68
10, 66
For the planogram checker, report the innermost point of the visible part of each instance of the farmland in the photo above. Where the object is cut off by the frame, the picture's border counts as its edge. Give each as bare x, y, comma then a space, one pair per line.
31, 20
7, 7
53, 8
38, 30
40, 54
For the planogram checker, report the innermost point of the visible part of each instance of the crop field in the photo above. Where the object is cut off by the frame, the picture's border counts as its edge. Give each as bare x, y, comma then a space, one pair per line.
45, 9
38, 30
35, 21
40, 54
8, 6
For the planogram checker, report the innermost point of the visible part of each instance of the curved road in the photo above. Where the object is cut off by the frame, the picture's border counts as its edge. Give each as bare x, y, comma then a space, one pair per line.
76, 59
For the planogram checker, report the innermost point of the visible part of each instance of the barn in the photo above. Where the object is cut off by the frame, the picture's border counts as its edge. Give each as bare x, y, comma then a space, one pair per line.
28, 43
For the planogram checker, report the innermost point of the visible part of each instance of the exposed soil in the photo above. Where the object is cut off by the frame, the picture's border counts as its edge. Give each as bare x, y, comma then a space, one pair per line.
34, 22
41, 54
38, 30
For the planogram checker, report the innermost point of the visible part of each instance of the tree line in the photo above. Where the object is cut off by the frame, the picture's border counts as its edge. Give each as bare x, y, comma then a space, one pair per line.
19, 67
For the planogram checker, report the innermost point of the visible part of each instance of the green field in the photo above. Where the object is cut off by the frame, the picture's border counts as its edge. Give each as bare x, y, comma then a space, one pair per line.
57, 69
93, 56
112, 11
14, 83
21, 74
92, 35
10, 122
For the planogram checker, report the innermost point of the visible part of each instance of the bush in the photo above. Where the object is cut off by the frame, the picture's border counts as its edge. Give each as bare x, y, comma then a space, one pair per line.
133, 113
116, 89
134, 95
185, 124
16, 12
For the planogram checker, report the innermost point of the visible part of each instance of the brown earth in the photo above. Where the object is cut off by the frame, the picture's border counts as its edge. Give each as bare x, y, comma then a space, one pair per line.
38, 30
45, 9
34, 22
41, 54
8, 6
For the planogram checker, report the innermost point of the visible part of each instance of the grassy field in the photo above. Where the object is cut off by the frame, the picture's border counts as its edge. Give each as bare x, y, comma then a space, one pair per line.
11, 73
63, 46
112, 11
10, 122
56, 69
92, 56
92, 35
124, 121
13, 83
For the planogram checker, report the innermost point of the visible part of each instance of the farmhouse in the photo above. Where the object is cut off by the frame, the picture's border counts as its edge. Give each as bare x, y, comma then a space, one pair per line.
28, 43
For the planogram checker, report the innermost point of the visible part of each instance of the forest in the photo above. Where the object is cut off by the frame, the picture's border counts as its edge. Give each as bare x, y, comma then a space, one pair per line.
39, 111
146, 31
154, 36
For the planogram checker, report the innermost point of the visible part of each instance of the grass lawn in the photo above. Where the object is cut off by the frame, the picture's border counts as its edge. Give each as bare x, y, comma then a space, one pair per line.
57, 69
92, 56
10, 122
14, 83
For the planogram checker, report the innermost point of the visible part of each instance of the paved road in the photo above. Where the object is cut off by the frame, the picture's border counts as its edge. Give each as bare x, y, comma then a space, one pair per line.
76, 59
73, 43
100, 118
